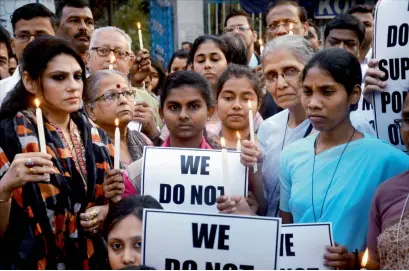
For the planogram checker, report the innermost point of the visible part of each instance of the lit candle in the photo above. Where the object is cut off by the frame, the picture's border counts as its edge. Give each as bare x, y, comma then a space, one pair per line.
260, 41
112, 61
291, 29
251, 127
238, 146
140, 35
40, 126
225, 167
117, 145
365, 260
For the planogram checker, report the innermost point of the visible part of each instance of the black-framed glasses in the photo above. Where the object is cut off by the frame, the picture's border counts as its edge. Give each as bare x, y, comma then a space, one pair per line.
288, 74
112, 95
402, 124
241, 28
24, 37
105, 51
273, 27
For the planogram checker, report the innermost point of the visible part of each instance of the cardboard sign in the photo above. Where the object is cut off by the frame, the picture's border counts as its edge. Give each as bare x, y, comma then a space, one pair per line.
391, 47
191, 179
303, 246
327, 9
176, 240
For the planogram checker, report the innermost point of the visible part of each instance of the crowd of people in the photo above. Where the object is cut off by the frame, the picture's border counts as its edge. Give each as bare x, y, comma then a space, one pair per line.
68, 207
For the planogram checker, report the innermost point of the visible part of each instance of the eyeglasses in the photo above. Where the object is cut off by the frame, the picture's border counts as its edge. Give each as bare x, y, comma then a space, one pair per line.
275, 26
402, 124
287, 74
27, 37
105, 51
242, 28
112, 96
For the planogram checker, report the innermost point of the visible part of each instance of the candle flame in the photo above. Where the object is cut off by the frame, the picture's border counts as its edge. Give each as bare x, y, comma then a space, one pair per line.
116, 122
250, 105
139, 25
223, 142
291, 26
112, 60
37, 102
365, 258
260, 41
238, 135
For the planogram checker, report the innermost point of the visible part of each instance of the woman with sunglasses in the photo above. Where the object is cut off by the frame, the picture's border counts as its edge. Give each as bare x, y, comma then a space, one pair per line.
109, 96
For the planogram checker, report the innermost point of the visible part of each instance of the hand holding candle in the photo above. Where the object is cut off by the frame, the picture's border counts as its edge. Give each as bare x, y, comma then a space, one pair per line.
112, 61
40, 127
140, 36
252, 134
225, 167
117, 145
238, 146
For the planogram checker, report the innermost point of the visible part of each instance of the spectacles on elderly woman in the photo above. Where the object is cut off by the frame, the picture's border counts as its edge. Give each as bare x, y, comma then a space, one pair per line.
112, 95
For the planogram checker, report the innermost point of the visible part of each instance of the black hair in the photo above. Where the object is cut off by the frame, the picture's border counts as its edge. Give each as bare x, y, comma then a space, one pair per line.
30, 11
137, 267
162, 75
186, 78
340, 64
131, 205
206, 38
361, 9
236, 13
178, 54
240, 71
237, 49
302, 12
187, 42
5, 38
69, 3
34, 61
346, 21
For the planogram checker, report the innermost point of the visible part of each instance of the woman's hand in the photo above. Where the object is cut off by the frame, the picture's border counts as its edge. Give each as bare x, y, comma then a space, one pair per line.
250, 153
141, 66
252, 202
113, 185
145, 114
337, 257
373, 83
237, 205
93, 217
26, 167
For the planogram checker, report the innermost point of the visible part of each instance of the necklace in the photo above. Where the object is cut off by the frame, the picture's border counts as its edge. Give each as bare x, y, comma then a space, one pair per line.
398, 232
309, 129
332, 178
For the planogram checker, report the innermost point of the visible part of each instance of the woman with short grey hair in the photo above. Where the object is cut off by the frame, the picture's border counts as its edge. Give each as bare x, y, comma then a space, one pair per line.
283, 60
109, 96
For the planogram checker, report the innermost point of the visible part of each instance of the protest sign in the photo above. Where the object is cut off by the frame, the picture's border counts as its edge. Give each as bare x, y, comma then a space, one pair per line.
391, 48
209, 241
191, 179
303, 246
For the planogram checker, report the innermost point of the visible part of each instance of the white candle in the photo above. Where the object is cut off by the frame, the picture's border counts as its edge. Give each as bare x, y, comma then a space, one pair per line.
261, 46
291, 29
117, 145
225, 167
140, 36
251, 127
112, 60
238, 146
40, 127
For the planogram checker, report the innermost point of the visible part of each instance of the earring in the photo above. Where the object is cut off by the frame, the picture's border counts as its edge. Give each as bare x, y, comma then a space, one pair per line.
208, 118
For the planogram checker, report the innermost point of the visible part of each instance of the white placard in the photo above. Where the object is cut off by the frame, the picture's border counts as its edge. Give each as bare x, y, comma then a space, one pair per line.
167, 176
303, 246
391, 47
176, 240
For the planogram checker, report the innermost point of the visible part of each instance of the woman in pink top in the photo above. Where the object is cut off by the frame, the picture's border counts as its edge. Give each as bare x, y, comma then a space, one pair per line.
108, 96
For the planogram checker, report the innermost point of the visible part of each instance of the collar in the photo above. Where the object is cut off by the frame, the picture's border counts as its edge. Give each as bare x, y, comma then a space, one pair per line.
253, 61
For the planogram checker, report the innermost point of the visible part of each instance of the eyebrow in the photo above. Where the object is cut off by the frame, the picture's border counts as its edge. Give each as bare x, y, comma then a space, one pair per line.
340, 39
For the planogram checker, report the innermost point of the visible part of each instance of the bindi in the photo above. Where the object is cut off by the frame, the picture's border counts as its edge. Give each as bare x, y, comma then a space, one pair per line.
118, 86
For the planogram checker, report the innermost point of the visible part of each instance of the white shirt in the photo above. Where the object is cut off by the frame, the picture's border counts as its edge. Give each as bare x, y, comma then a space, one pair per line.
8, 84
253, 62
